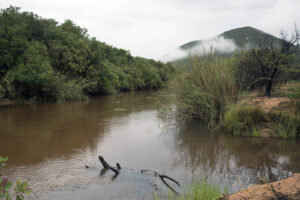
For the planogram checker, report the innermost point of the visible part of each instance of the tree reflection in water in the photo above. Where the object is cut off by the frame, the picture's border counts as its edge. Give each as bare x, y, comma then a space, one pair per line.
239, 160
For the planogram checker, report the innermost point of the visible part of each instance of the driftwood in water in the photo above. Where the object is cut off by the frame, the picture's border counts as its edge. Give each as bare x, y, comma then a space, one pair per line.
118, 166
161, 176
107, 166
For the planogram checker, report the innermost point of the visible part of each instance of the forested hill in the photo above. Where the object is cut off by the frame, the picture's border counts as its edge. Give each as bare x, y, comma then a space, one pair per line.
42, 59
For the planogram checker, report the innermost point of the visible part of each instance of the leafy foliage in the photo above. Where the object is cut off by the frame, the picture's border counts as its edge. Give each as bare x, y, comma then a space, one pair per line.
20, 189
262, 67
44, 60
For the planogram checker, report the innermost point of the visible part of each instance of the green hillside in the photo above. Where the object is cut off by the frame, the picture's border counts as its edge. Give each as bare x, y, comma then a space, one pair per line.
247, 34
241, 36
44, 60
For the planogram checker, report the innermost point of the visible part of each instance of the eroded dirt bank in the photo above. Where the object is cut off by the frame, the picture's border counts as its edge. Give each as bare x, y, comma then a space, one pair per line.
286, 189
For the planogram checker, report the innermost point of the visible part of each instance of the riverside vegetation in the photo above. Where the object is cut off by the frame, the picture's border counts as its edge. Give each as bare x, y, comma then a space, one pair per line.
43, 60
20, 189
197, 191
253, 92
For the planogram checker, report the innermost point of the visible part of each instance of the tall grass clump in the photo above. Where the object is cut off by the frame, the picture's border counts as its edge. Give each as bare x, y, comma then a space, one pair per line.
286, 125
294, 95
205, 89
197, 191
244, 119
201, 191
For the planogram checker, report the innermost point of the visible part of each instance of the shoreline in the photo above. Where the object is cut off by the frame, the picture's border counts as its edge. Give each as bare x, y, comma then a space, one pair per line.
288, 188
4, 103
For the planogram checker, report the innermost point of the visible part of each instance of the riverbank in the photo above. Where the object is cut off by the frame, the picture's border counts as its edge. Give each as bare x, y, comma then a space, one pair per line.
7, 103
261, 116
288, 189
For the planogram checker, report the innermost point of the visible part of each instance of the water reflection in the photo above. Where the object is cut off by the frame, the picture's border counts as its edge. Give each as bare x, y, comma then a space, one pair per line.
31, 133
231, 159
49, 145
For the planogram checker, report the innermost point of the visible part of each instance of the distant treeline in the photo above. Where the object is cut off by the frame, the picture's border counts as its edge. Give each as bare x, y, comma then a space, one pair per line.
41, 59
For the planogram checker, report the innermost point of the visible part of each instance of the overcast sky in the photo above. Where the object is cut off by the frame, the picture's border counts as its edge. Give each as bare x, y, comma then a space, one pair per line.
153, 28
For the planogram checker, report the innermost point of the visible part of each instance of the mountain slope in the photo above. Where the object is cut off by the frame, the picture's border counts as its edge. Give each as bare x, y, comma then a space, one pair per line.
244, 35
240, 36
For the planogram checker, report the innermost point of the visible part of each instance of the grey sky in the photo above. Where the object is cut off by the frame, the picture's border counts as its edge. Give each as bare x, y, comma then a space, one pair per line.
155, 27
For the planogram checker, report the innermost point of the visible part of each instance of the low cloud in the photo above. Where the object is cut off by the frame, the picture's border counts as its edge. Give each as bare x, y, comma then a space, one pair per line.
216, 44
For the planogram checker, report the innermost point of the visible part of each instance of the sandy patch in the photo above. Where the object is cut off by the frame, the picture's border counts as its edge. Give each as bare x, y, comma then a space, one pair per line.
268, 104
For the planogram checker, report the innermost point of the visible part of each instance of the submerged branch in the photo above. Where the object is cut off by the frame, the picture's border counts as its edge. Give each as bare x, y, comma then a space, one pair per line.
106, 166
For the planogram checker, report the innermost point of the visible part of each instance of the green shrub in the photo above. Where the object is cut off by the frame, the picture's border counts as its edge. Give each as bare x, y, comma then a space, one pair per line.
204, 91
286, 125
41, 62
294, 95
256, 133
69, 90
34, 77
20, 189
244, 119
2, 92
294, 92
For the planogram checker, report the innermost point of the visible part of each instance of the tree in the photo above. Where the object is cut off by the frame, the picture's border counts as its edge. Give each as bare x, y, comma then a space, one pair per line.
273, 59
34, 77
43, 60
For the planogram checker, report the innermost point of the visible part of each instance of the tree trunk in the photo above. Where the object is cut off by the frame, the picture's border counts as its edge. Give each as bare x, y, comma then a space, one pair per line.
269, 88
269, 83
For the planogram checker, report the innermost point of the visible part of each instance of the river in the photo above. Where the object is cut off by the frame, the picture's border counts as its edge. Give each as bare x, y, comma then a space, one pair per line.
50, 144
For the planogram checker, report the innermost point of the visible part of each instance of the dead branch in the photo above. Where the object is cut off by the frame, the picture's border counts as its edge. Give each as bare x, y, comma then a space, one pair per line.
107, 166
118, 166
162, 176
166, 184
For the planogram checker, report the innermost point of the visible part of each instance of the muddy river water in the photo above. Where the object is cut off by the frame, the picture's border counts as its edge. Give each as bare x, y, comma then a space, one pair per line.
50, 144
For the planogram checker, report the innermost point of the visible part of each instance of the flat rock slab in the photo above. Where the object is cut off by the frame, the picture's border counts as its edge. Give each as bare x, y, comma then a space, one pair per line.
286, 189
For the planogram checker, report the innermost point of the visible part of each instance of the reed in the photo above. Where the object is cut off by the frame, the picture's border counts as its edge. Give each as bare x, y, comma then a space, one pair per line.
204, 90
201, 190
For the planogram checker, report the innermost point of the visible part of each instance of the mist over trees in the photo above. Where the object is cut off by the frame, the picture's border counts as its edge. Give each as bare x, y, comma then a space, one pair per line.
44, 60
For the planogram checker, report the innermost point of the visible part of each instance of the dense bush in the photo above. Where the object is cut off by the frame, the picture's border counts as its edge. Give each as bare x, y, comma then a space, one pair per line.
244, 119
294, 95
42, 60
286, 124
